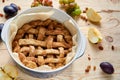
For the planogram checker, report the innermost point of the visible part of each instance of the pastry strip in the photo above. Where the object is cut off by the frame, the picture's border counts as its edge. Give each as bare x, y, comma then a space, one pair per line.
40, 60
54, 60
32, 31
32, 42
49, 42
42, 43
54, 32
47, 51
22, 31
61, 52
41, 33
16, 47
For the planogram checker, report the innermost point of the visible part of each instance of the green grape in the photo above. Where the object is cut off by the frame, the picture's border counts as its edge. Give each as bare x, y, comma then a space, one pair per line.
65, 1
69, 10
73, 5
77, 7
76, 12
70, 1
61, 1
34, 4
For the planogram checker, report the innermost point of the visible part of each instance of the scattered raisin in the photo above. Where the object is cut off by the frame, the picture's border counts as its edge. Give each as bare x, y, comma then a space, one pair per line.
83, 18
89, 58
100, 47
1, 15
7, 17
86, 20
19, 8
88, 69
94, 68
86, 8
88, 24
112, 47
84, 11
88, 54
3, 1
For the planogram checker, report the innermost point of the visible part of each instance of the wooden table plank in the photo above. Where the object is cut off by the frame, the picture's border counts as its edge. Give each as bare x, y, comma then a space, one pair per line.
110, 26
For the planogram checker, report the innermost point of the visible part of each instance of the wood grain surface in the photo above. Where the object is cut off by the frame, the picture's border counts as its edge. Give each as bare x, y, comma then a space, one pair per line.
93, 56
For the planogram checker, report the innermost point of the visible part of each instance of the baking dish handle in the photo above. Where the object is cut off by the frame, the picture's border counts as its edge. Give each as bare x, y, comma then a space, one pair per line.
5, 29
82, 47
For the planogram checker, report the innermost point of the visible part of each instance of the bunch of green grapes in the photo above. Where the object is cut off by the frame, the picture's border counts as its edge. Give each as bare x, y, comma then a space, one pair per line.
42, 2
70, 7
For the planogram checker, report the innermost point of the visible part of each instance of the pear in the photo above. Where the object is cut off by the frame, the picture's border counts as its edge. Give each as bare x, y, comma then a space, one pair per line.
10, 70
94, 36
4, 76
93, 16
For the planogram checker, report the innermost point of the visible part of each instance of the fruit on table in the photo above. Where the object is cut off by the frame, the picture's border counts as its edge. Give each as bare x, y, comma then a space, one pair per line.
94, 36
1, 26
107, 67
93, 16
14, 6
47, 2
71, 1
76, 12
8, 72
11, 10
11, 71
4, 76
70, 7
41, 3
66, 1
35, 3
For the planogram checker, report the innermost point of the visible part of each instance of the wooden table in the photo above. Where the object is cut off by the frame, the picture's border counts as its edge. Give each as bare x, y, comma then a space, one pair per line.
109, 26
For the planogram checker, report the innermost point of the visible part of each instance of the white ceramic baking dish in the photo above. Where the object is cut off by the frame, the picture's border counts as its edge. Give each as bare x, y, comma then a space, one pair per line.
61, 17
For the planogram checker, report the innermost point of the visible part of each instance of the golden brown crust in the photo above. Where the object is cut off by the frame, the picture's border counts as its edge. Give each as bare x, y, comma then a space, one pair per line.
41, 43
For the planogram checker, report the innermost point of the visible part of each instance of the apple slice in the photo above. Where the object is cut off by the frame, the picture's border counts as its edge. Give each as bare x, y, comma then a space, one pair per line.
11, 71
4, 76
94, 36
93, 16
